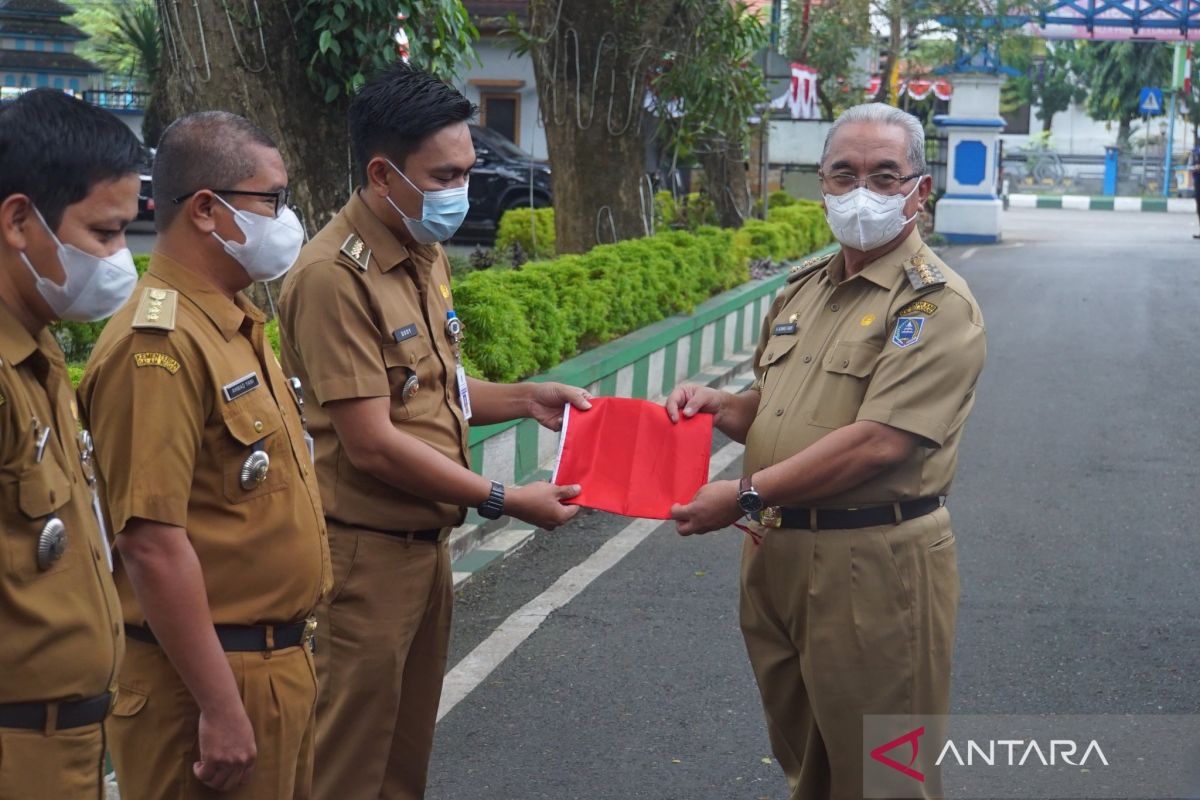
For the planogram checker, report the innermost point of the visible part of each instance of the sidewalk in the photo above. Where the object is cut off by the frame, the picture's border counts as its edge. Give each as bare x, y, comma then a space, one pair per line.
1081, 202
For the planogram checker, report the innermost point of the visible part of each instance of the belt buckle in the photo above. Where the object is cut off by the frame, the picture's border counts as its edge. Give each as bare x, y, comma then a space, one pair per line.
310, 632
770, 517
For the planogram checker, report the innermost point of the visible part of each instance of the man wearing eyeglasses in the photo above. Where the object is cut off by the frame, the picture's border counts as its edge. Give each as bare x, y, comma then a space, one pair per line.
866, 372
210, 486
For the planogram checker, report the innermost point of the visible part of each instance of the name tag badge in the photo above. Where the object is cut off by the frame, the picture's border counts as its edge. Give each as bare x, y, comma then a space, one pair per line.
405, 333
786, 329
464, 393
243, 385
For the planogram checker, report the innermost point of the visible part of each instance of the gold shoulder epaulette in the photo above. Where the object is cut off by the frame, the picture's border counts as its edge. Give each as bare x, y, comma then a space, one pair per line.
156, 310
357, 251
808, 267
923, 276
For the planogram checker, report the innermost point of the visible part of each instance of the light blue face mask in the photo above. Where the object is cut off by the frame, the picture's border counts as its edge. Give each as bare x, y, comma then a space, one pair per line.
442, 212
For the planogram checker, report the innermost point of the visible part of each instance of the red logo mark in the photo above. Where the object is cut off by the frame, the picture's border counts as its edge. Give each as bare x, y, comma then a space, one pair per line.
910, 738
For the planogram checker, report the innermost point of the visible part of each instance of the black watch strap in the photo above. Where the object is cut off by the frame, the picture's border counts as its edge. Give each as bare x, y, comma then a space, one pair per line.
493, 507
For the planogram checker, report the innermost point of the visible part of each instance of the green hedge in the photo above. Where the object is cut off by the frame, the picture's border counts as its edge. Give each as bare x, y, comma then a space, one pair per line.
518, 226
78, 338
527, 320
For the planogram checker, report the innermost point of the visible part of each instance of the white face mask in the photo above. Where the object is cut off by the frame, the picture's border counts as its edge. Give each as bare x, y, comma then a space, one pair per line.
272, 243
94, 288
864, 220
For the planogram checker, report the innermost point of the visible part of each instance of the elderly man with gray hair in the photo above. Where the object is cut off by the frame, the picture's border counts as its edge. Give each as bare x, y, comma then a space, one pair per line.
866, 371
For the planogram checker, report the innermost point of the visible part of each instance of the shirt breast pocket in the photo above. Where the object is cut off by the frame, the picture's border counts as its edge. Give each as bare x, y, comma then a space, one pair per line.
412, 371
775, 357
40, 492
842, 385
254, 452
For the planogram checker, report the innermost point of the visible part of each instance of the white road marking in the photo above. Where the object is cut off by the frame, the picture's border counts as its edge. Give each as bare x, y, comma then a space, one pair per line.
970, 251
491, 652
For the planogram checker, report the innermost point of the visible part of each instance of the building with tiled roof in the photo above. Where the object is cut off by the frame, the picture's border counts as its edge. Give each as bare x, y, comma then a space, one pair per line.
37, 48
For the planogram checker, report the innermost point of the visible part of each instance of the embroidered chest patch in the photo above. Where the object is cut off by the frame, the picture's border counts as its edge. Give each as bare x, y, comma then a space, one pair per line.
907, 331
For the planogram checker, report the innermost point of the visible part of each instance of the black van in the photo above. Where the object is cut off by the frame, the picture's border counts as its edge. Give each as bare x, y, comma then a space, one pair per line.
504, 177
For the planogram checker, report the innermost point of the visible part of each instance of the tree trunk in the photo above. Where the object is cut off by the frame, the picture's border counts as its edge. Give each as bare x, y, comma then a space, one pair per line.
213, 59
1047, 118
590, 60
726, 178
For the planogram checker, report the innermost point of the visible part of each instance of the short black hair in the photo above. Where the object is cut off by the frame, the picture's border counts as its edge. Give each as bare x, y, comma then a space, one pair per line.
397, 109
204, 150
55, 148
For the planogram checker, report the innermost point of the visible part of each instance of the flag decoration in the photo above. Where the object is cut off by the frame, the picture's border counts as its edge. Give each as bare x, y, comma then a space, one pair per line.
630, 459
800, 99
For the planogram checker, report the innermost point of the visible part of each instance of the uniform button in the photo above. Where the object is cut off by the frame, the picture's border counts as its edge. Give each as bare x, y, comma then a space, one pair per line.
807, 359
770, 355
258, 426
53, 496
779, 412
834, 306
845, 363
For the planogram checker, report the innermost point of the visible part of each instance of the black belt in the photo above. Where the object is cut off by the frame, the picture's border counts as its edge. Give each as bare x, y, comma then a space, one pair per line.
429, 535
72, 714
244, 638
841, 519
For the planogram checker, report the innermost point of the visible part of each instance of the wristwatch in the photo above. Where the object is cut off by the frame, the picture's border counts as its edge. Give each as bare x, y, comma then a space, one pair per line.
493, 507
749, 500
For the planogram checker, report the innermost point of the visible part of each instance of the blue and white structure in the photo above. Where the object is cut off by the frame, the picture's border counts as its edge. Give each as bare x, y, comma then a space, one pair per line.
969, 212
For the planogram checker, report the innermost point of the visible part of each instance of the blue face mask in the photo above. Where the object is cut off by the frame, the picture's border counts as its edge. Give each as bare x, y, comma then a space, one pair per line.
442, 212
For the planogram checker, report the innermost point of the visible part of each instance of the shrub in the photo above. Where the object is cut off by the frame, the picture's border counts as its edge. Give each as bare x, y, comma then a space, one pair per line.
78, 338
531, 228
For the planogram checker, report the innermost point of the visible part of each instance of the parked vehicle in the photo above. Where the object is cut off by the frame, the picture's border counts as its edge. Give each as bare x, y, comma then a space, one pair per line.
504, 177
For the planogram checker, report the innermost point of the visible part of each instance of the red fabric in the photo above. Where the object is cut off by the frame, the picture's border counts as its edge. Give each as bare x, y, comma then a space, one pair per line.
630, 459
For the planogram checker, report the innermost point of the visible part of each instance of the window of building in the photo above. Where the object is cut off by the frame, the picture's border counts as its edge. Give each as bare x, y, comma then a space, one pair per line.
73, 85
59, 83
25, 82
10, 80
43, 79
39, 45
18, 44
502, 113
60, 47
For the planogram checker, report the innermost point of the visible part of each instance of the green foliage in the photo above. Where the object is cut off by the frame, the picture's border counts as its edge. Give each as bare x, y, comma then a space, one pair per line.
271, 331
780, 199
1116, 73
705, 80
531, 228
1050, 76
827, 43
344, 42
522, 321
688, 212
126, 39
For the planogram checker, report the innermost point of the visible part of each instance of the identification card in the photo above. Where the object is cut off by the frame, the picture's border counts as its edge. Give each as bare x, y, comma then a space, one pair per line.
312, 447
464, 393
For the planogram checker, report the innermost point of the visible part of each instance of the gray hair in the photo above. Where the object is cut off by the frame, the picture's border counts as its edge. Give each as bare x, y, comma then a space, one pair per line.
883, 114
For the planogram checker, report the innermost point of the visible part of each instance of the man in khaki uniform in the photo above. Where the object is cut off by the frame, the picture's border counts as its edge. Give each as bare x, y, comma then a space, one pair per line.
366, 323
68, 188
210, 486
866, 372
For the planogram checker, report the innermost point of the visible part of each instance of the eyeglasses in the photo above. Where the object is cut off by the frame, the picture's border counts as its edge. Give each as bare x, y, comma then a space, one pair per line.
882, 182
280, 197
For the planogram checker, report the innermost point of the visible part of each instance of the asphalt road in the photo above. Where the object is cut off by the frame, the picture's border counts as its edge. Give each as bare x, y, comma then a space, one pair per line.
1075, 509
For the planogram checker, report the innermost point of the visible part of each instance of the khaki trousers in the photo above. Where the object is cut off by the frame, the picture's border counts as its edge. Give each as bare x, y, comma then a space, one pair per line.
843, 623
382, 642
153, 729
64, 765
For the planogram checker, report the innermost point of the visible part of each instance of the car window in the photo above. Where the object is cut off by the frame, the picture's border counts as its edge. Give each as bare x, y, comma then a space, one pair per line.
498, 144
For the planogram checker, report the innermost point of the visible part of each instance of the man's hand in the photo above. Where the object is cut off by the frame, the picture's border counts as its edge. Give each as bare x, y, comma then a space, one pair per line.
541, 504
546, 404
689, 400
227, 749
714, 507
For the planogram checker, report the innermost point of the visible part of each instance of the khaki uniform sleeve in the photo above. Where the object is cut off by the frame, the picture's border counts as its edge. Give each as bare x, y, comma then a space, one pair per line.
327, 322
921, 388
146, 407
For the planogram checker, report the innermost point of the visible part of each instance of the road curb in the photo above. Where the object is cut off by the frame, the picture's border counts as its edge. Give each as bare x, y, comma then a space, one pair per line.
1080, 202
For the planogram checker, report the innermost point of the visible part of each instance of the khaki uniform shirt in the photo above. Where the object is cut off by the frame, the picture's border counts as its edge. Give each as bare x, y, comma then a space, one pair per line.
360, 314
61, 625
902, 343
180, 389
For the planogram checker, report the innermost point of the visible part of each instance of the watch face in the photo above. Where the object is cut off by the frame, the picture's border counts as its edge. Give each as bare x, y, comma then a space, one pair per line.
750, 502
